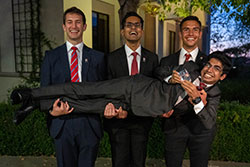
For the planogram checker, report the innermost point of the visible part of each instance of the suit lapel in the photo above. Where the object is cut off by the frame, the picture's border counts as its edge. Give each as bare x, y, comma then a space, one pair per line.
199, 57
143, 62
176, 58
65, 63
123, 61
86, 59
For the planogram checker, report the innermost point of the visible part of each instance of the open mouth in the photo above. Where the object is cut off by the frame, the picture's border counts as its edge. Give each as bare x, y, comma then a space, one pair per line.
132, 33
190, 39
207, 75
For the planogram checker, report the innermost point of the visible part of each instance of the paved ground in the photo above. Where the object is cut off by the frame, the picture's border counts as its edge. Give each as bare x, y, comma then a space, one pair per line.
43, 161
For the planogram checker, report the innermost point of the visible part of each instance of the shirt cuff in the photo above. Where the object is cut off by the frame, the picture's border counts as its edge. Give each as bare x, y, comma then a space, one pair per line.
198, 107
168, 78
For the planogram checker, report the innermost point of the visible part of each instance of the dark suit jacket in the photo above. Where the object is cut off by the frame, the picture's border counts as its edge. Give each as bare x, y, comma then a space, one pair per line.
55, 69
117, 66
184, 113
173, 59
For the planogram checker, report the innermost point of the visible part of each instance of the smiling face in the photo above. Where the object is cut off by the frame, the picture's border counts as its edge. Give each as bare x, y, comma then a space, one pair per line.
190, 34
212, 72
74, 28
132, 31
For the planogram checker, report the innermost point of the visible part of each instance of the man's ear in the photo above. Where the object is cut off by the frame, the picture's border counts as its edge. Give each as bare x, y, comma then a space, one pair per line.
200, 36
84, 27
222, 77
64, 27
180, 35
122, 32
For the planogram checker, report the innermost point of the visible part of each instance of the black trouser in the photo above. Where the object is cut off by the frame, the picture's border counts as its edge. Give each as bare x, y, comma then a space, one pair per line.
143, 95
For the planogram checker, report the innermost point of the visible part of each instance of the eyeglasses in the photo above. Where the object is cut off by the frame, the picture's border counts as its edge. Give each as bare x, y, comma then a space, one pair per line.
216, 68
130, 25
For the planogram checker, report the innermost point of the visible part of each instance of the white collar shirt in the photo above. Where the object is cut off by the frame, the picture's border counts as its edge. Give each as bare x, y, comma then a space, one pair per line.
193, 54
130, 57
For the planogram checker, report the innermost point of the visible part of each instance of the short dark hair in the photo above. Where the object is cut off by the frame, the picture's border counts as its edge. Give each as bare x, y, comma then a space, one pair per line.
76, 11
190, 18
129, 14
225, 60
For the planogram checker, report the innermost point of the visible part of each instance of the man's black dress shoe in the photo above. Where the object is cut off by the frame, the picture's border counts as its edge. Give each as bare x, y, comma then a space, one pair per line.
28, 104
20, 115
19, 95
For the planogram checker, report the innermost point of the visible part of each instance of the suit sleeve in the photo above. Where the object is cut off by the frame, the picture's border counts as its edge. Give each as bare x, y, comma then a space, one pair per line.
209, 113
164, 69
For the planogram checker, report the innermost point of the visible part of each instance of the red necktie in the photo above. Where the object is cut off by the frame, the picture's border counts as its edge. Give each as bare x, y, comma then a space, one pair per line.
74, 65
134, 66
201, 86
187, 55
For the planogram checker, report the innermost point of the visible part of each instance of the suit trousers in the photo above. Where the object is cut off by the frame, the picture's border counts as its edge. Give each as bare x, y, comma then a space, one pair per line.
143, 95
129, 145
182, 138
70, 152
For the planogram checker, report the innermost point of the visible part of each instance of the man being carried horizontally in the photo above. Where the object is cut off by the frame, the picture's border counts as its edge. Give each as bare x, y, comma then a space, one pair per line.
154, 96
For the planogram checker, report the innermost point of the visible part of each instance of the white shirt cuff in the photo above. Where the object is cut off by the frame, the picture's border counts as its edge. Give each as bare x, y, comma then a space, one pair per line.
198, 107
168, 78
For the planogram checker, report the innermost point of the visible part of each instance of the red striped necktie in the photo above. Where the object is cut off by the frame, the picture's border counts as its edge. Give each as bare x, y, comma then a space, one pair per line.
134, 66
74, 65
187, 55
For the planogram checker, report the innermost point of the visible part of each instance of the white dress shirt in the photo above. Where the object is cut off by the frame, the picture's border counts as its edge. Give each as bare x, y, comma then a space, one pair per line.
193, 54
130, 57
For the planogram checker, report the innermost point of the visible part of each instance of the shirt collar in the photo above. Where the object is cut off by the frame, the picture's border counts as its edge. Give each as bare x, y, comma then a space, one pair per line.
130, 51
208, 85
193, 53
69, 46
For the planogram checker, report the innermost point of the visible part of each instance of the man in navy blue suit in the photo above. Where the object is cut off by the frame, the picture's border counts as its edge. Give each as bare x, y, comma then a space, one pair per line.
76, 137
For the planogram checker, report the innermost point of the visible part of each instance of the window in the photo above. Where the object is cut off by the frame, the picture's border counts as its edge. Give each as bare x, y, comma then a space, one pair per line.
26, 27
171, 42
100, 23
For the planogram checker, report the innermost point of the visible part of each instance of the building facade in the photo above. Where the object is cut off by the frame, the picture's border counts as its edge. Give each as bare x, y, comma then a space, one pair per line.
21, 19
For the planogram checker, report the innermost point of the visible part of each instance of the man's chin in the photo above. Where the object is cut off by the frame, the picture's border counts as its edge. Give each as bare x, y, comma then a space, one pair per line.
133, 40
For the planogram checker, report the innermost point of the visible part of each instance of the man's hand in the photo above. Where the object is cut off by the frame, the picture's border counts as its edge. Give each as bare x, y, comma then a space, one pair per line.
190, 88
193, 93
168, 114
63, 109
203, 96
121, 113
175, 78
110, 112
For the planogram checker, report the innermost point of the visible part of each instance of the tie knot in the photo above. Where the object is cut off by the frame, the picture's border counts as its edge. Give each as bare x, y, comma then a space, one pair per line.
201, 86
187, 55
134, 54
74, 48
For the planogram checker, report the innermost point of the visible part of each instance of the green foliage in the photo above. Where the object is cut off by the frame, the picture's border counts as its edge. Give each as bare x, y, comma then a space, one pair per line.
239, 9
235, 90
179, 8
232, 140
155, 148
31, 137
105, 148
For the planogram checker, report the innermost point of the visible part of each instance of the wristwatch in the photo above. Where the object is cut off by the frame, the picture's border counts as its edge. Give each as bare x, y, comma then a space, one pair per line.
197, 100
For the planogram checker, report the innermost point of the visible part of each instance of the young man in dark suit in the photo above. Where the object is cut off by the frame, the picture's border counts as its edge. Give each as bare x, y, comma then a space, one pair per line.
129, 136
190, 34
186, 130
76, 137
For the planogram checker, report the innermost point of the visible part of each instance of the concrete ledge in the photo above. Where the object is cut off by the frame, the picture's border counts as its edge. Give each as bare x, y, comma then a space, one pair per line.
41, 161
